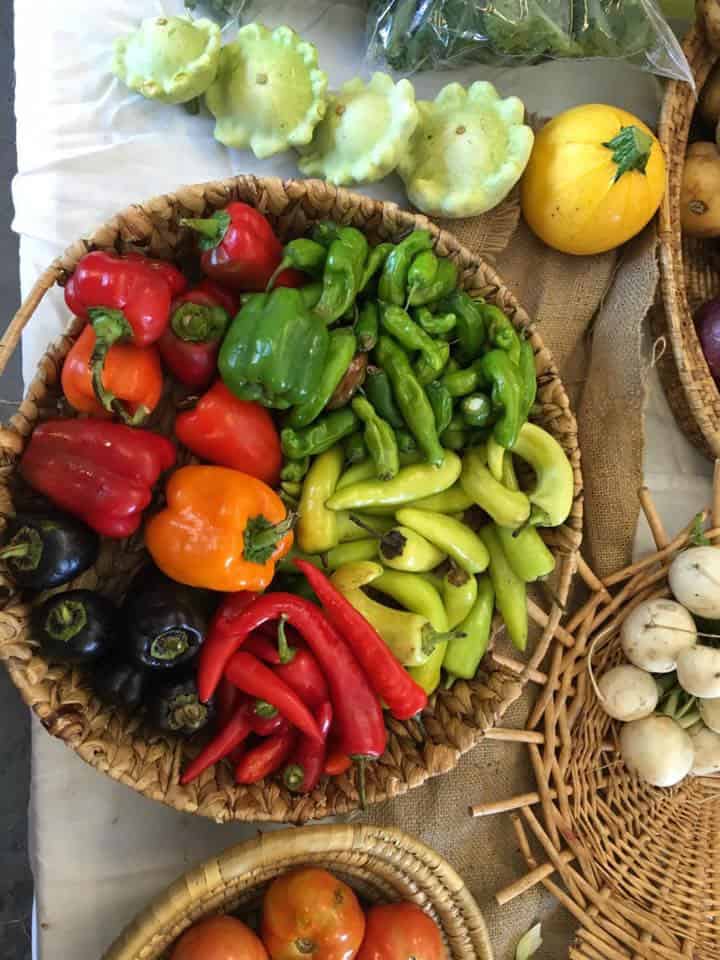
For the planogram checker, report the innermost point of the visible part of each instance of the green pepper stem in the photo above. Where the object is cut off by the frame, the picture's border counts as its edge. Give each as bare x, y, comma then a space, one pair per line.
264, 709
66, 619
430, 638
262, 537
285, 651
212, 229
110, 327
197, 323
284, 264
14, 550
631, 150
361, 761
170, 645
294, 776
450, 679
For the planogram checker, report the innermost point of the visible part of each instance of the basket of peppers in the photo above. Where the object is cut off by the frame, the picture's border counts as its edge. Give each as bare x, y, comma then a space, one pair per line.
284, 503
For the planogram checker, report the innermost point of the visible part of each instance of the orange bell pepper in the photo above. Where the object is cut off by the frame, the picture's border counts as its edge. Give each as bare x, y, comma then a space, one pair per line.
222, 530
131, 374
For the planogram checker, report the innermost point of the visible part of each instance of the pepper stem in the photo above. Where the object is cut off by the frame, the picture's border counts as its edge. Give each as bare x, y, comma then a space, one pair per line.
110, 327
283, 265
285, 651
263, 537
212, 229
294, 776
264, 709
631, 150
361, 782
170, 645
66, 619
431, 639
197, 323
15, 550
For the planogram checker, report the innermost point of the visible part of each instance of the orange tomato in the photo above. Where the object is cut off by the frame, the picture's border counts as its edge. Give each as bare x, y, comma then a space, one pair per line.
309, 914
401, 931
219, 938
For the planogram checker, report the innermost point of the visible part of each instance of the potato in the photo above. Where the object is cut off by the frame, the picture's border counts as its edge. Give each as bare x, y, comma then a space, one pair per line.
700, 192
708, 12
709, 104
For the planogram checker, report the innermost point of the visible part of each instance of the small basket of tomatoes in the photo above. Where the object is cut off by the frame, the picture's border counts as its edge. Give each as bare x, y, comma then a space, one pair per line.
342, 892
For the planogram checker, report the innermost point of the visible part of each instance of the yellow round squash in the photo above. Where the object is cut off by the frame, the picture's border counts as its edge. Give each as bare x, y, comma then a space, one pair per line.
595, 178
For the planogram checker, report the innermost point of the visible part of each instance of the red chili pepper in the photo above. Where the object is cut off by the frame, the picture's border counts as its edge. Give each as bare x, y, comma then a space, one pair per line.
267, 757
191, 343
263, 722
233, 733
251, 676
227, 699
295, 665
336, 762
99, 471
305, 768
125, 300
231, 432
228, 612
358, 716
175, 279
388, 678
240, 249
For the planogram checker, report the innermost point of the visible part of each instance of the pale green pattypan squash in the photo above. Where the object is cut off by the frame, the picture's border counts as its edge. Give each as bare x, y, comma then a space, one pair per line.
269, 93
468, 151
172, 59
365, 131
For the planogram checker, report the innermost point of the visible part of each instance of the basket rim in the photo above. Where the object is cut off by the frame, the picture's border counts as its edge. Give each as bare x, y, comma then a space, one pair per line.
124, 229
173, 904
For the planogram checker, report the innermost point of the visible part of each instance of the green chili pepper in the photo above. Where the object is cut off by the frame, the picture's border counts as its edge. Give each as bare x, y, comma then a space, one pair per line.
343, 273
351, 527
456, 435
354, 448
415, 594
293, 488
357, 474
528, 379
459, 593
428, 368
499, 370
444, 283
414, 404
367, 326
510, 590
294, 470
436, 324
356, 551
379, 439
464, 654
441, 403
501, 332
423, 271
496, 459
412, 483
508, 508
435, 353
476, 410
526, 553
459, 383
470, 328
376, 259
310, 294
452, 500
403, 549
449, 535
405, 441
317, 528
325, 232
341, 350
380, 395
393, 279
302, 254
552, 495
319, 436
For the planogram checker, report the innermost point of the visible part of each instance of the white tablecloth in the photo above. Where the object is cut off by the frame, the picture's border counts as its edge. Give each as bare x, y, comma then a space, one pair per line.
86, 148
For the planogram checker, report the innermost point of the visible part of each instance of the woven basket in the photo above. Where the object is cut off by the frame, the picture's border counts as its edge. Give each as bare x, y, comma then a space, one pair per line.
380, 864
119, 744
636, 863
689, 269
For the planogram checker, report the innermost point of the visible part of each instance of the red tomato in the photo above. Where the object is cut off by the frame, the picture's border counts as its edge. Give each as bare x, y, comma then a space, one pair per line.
401, 931
219, 938
309, 914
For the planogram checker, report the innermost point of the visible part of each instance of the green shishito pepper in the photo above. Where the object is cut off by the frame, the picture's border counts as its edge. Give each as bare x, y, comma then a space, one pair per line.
423, 271
380, 395
375, 261
434, 354
319, 436
343, 274
499, 371
258, 359
470, 327
301, 254
441, 403
379, 439
528, 378
436, 324
394, 277
501, 332
444, 283
414, 404
367, 326
341, 350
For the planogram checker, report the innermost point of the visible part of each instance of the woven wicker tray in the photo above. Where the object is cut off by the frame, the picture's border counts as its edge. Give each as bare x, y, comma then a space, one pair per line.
689, 269
120, 745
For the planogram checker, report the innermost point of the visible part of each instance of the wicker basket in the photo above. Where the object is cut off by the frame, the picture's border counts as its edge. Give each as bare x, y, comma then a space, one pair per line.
380, 864
689, 269
119, 744
636, 863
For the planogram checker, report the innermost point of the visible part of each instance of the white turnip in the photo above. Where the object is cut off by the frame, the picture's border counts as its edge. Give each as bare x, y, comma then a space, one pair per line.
710, 713
655, 632
698, 671
657, 749
706, 747
695, 581
628, 693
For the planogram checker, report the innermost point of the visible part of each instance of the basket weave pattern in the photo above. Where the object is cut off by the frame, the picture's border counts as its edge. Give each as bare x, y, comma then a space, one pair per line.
119, 744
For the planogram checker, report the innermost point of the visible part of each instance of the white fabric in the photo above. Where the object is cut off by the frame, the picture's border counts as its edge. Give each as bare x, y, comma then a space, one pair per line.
86, 148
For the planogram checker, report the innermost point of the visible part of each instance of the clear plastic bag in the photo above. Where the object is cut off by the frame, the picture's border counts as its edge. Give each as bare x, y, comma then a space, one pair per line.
225, 12
413, 35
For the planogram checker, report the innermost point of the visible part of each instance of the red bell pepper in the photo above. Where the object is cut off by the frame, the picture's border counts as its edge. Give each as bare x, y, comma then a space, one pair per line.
251, 676
125, 300
191, 343
267, 757
295, 665
240, 250
176, 280
99, 471
233, 733
225, 298
231, 432
303, 772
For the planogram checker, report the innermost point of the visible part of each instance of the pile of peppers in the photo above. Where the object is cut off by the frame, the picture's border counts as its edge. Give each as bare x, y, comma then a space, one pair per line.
351, 522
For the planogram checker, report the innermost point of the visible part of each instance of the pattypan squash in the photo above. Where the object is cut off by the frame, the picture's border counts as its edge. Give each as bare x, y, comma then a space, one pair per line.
365, 131
172, 59
468, 151
269, 93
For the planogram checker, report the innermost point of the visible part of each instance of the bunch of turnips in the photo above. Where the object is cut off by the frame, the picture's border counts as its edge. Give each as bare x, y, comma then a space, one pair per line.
668, 695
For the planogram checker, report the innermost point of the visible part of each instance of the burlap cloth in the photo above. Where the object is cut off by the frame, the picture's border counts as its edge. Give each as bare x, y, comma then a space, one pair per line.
589, 311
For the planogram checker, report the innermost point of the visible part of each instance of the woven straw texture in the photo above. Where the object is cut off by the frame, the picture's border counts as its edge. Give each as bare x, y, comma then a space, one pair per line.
120, 745
689, 269
637, 864
380, 864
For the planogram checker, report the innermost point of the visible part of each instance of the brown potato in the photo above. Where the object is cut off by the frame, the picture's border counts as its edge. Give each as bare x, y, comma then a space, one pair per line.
708, 12
709, 104
700, 193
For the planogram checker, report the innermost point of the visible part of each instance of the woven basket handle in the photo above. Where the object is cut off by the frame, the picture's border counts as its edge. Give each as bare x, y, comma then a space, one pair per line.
11, 337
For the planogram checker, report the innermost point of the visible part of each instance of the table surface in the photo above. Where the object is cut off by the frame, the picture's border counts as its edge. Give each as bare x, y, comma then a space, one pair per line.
86, 148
